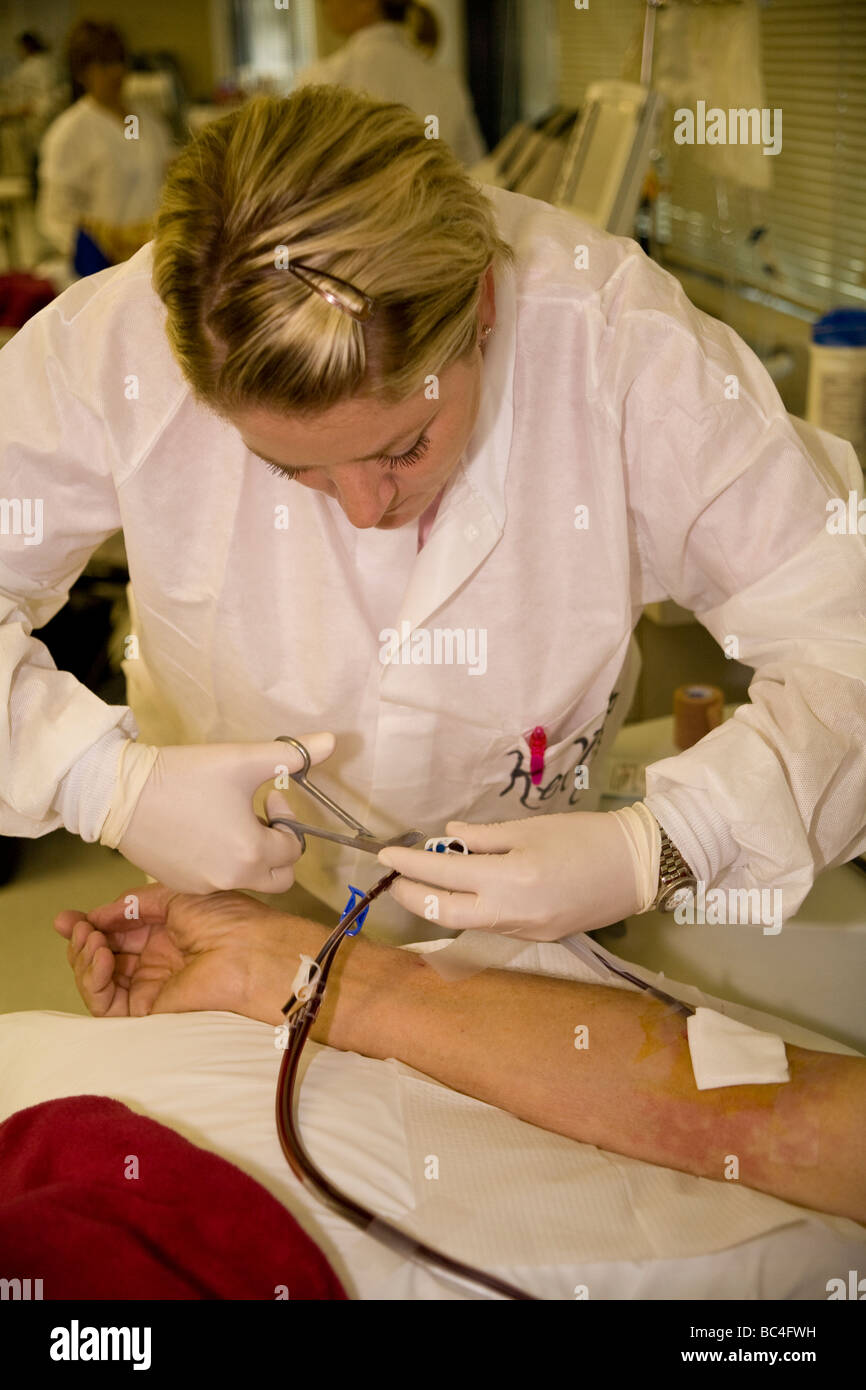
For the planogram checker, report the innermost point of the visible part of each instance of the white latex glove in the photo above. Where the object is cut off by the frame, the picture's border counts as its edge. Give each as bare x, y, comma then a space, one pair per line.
185, 814
540, 879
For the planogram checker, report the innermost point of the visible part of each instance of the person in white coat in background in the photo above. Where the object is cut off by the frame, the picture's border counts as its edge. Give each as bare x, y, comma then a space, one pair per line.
32, 95
102, 162
382, 59
404, 459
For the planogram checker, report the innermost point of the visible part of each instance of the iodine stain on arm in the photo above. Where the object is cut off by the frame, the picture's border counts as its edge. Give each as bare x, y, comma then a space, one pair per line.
693, 1127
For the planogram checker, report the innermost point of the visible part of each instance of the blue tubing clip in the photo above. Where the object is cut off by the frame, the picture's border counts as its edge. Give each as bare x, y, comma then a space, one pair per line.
357, 894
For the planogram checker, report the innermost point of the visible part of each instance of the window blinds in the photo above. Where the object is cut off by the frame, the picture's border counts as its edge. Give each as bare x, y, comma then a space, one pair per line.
813, 251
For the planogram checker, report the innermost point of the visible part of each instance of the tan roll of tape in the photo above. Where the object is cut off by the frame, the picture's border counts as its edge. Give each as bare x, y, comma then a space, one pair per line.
697, 710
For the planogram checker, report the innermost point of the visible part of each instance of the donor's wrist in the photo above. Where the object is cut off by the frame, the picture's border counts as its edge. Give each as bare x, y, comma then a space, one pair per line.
271, 949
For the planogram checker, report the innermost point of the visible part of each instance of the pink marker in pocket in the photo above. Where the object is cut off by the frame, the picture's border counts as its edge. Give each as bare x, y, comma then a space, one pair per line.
537, 745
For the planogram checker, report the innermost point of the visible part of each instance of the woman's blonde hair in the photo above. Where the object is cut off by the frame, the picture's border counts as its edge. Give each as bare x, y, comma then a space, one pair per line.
351, 187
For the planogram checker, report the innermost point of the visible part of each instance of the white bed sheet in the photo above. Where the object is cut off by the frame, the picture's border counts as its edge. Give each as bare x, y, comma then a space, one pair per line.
212, 1076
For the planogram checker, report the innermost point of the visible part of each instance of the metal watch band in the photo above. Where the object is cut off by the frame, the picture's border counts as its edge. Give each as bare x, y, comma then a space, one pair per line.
674, 875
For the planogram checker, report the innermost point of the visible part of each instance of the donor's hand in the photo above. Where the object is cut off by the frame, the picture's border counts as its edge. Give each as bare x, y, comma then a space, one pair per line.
185, 952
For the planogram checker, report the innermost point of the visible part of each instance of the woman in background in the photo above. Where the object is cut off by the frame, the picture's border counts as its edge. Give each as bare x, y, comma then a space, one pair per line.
102, 163
32, 96
389, 42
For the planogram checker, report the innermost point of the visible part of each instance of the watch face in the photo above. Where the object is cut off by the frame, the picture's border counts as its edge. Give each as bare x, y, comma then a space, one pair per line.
676, 894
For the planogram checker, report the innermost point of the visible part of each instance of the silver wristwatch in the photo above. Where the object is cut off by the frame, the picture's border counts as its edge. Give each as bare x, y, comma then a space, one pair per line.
675, 876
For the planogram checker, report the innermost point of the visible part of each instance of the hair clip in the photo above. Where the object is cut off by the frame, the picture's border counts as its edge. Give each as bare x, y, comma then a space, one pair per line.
347, 297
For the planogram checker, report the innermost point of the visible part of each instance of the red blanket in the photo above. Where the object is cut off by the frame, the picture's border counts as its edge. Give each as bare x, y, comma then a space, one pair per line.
189, 1225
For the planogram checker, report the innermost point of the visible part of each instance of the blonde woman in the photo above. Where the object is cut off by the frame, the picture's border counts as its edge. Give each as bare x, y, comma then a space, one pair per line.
403, 459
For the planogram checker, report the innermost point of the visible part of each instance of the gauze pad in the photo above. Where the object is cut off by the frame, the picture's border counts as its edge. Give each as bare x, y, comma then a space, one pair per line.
727, 1053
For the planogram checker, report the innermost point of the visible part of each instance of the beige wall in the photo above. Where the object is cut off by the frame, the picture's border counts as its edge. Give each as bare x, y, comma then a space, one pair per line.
328, 41
180, 27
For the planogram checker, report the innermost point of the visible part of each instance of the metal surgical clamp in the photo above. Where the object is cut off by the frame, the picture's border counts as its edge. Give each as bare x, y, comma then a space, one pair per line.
363, 839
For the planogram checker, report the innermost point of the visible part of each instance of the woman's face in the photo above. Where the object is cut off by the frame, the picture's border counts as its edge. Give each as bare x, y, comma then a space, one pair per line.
384, 464
104, 82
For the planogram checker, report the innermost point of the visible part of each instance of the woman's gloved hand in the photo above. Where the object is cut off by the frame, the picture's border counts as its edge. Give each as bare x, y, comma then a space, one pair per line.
540, 879
185, 814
